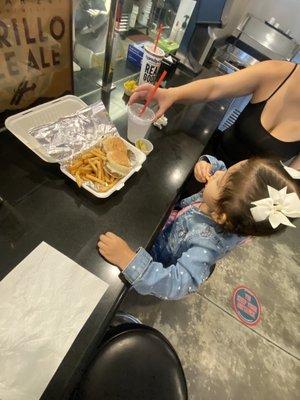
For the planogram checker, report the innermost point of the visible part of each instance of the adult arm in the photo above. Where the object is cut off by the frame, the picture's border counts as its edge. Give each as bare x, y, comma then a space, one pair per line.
240, 83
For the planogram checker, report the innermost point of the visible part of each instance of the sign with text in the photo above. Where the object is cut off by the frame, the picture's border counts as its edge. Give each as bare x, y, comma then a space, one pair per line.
35, 53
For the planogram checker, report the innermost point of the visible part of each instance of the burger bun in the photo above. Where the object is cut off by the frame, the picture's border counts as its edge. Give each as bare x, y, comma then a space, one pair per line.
117, 163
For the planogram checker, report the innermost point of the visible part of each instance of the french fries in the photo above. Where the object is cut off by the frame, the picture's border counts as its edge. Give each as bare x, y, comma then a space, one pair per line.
89, 166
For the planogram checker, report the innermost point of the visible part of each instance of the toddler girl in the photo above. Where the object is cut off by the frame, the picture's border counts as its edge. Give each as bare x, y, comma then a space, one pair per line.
253, 197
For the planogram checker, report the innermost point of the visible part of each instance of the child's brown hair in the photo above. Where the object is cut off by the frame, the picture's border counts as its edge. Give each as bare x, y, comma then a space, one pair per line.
247, 184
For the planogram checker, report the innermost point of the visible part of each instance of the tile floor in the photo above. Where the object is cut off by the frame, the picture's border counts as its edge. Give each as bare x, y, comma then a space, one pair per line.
222, 358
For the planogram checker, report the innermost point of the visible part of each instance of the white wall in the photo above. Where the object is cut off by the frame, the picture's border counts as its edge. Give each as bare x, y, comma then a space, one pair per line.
236, 10
286, 13
186, 7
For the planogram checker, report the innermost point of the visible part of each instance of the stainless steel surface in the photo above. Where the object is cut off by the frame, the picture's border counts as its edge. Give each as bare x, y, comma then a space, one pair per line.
238, 104
224, 66
236, 107
107, 76
266, 39
239, 57
230, 58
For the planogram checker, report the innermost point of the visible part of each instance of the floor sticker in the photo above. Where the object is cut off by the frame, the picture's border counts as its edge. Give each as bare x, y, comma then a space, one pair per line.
246, 306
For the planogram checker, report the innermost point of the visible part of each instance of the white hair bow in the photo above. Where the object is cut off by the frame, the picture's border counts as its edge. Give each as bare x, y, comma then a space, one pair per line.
277, 207
294, 173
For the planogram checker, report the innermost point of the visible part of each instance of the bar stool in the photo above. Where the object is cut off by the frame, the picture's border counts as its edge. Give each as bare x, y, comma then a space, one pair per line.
135, 362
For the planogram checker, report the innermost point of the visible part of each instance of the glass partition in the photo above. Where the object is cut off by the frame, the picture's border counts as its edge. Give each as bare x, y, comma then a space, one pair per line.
90, 25
104, 38
135, 23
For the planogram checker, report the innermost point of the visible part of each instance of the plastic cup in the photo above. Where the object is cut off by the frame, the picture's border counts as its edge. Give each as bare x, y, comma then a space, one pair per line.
147, 146
150, 63
138, 125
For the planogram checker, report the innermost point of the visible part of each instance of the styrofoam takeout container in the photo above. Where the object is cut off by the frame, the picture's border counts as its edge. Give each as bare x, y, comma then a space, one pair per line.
140, 158
20, 124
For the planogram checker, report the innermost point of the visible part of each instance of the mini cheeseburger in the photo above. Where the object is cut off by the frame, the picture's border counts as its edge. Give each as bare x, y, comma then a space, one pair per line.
117, 163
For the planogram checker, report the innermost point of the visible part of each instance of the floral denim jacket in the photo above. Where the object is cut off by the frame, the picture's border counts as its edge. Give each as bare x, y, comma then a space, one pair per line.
184, 251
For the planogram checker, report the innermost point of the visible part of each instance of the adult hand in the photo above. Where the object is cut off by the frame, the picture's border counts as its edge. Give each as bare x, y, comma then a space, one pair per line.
115, 250
202, 171
163, 97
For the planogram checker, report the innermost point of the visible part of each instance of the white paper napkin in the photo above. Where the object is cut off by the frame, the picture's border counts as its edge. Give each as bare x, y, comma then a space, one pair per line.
44, 303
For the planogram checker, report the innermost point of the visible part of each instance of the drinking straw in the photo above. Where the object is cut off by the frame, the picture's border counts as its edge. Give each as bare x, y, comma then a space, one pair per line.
161, 78
160, 29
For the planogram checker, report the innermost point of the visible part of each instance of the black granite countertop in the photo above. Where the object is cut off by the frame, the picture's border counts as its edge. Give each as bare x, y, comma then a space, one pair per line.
41, 204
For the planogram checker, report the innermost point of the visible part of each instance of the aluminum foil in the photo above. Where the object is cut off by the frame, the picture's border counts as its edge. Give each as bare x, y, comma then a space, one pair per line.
73, 134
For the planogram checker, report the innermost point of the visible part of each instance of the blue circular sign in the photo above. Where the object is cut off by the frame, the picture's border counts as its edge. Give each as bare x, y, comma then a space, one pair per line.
246, 306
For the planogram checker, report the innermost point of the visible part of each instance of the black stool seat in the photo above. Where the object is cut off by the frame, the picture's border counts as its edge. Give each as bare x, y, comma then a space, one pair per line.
136, 363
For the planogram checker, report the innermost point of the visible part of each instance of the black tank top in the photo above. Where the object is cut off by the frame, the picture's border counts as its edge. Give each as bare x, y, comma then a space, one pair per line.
247, 137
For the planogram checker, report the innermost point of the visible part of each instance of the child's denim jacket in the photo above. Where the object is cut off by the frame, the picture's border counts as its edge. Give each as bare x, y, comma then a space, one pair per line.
184, 251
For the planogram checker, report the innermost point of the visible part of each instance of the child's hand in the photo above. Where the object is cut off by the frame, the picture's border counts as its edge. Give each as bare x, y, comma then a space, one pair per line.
115, 250
202, 171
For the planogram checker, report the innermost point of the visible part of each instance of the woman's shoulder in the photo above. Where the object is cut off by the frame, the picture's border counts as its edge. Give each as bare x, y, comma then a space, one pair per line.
268, 75
273, 68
